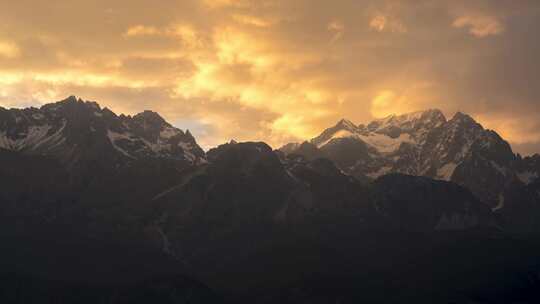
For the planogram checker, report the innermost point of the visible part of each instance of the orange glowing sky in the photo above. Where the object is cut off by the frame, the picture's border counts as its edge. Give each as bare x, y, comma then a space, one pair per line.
279, 71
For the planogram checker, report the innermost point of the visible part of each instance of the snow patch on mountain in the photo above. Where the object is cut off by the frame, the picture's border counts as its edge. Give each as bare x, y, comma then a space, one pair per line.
445, 172
383, 143
160, 147
347, 124
380, 172
35, 136
114, 137
380, 142
38, 116
502, 170
500, 203
28, 138
31, 139
289, 148
187, 147
338, 134
168, 132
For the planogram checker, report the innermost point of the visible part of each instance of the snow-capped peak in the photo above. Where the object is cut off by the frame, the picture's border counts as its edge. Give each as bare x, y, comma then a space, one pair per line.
460, 117
425, 143
407, 122
73, 127
347, 125
387, 134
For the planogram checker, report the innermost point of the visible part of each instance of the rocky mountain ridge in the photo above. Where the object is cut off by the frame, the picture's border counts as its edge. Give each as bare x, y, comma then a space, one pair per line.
73, 130
425, 144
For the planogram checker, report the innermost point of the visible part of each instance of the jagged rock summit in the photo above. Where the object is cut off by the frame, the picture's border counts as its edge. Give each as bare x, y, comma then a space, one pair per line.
73, 130
427, 144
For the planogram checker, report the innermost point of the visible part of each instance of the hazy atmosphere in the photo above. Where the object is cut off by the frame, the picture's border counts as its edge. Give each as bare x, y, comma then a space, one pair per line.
269, 151
279, 71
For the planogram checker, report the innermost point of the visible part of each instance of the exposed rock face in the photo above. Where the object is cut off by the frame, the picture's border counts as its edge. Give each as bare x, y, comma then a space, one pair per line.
73, 131
427, 144
528, 169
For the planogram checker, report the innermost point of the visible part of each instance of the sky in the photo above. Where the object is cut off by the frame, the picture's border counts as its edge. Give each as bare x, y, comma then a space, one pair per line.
279, 71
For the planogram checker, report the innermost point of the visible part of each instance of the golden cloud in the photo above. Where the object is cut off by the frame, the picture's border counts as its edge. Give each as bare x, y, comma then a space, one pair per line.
268, 70
336, 27
512, 128
382, 23
252, 20
9, 49
480, 26
142, 30
224, 3
186, 33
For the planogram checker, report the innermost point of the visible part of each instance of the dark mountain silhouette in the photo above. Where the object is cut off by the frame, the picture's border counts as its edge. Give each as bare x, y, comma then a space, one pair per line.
119, 209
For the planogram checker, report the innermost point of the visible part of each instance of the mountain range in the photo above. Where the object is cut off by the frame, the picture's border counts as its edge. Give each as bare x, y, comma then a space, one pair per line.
425, 143
408, 208
73, 131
